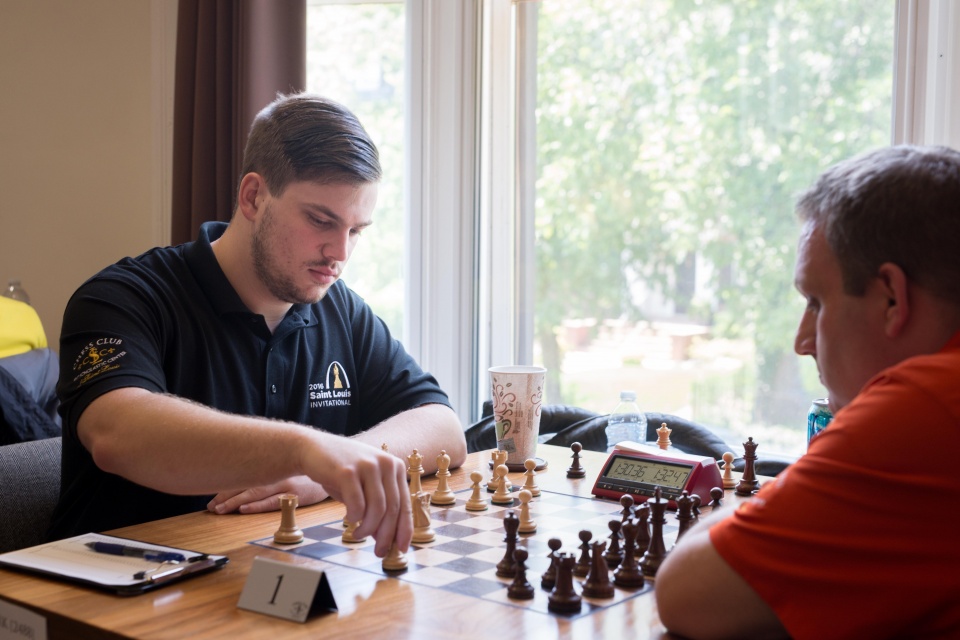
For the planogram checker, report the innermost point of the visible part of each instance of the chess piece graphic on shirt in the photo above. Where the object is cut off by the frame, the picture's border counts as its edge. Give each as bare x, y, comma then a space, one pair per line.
336, 378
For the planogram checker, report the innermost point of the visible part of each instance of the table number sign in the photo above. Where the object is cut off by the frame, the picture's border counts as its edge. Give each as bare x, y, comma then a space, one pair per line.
285, 590
18, 623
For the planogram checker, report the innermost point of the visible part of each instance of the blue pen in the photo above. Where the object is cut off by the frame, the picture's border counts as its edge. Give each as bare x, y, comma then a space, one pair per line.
136, 552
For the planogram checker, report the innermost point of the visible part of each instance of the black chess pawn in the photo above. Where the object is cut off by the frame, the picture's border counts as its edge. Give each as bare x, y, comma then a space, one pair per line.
520, 589
598, 583
656, 551
549, 577
582, 567
614, 553
564, 598
716, 495
576, 470
507, 567
748, 484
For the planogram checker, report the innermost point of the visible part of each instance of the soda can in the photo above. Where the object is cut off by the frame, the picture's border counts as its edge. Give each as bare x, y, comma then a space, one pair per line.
818, 418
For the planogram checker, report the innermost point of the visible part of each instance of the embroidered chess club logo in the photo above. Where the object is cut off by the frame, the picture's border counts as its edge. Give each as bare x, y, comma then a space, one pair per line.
96, 358
334, 391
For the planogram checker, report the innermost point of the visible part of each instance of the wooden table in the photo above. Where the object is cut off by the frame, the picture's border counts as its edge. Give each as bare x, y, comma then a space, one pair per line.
206, 606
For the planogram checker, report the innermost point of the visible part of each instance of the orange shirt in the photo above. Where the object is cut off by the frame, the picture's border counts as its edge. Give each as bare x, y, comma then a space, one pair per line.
860, 538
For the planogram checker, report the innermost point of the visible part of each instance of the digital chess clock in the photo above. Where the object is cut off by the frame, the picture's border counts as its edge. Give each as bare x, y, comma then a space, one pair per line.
638, 470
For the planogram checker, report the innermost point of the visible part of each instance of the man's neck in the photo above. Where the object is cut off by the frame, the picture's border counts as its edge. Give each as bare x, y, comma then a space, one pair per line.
234, 258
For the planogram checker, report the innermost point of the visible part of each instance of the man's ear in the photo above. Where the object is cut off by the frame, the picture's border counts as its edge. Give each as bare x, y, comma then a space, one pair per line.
251, 195
895, 286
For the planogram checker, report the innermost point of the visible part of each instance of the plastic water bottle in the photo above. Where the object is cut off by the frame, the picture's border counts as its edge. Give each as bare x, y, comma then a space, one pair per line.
15, 291
626, 421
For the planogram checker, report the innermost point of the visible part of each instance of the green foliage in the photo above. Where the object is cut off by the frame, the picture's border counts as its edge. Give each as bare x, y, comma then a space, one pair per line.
668, 129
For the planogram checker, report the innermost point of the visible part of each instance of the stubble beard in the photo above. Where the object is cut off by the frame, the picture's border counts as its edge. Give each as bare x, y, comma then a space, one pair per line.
269, 272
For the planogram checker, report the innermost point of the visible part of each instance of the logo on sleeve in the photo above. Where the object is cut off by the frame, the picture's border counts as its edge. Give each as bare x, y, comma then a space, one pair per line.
334, 391
97, 358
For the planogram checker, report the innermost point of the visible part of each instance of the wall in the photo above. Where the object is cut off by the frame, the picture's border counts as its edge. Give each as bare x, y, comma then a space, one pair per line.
86, 101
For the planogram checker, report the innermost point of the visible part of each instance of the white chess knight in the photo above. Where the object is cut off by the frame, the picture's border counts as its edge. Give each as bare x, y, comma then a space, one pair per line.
422, 531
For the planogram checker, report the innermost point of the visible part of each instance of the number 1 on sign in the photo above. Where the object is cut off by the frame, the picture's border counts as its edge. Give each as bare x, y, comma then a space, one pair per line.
273, 600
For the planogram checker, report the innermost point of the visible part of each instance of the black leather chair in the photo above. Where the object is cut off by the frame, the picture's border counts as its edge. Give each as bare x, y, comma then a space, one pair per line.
562, 425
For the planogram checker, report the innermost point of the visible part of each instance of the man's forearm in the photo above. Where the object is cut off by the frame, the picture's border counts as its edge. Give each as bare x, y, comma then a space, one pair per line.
429, 429
177, 446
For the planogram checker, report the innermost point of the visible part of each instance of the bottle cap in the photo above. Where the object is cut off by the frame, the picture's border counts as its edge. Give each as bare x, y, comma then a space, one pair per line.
628, 396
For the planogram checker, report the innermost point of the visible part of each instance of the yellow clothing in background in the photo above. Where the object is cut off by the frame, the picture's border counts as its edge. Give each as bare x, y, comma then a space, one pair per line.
20, 328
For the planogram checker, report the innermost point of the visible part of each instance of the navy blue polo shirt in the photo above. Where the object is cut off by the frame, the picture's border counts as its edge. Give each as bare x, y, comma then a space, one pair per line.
169, 321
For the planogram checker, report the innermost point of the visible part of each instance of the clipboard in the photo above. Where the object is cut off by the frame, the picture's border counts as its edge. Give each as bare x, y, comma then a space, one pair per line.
72, 559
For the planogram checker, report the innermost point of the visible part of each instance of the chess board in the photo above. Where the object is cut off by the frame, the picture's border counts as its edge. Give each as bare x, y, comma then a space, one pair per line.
469, 544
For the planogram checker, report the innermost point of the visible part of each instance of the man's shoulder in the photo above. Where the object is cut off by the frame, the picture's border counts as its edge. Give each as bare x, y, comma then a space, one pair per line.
340, 300
160, 264
934, 373
153, 263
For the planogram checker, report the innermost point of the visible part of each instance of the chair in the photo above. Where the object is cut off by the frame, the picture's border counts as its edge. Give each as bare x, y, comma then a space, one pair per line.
562, 425
28, 398
29, 490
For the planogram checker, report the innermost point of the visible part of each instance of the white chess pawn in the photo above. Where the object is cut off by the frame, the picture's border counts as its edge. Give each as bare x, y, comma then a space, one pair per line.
729, 482
348, 532
527, 525
476, 502
531, 472
502, 494
395, 560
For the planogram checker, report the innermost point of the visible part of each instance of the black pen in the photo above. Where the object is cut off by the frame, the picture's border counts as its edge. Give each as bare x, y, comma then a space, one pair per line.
136, 552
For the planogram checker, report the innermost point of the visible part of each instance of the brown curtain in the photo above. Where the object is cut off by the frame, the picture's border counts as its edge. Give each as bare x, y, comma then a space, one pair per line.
233, 57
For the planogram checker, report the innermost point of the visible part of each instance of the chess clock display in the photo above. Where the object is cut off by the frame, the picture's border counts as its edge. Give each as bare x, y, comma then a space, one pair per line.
638, 470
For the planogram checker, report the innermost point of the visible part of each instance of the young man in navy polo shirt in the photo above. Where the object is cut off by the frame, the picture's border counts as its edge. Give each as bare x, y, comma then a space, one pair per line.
224, 372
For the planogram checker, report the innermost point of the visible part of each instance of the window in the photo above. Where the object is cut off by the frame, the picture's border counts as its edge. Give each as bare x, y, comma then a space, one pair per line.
672, 138
355, 55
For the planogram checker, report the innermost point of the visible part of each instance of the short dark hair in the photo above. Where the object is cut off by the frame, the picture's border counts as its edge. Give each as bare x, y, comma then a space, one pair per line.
898, 204
305, 137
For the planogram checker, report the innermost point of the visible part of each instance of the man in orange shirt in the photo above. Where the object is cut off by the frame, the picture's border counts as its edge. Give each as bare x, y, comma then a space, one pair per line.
857, 539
